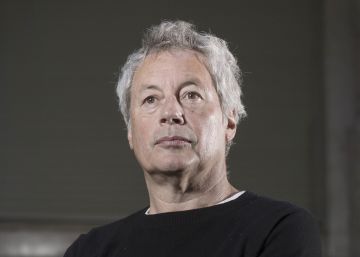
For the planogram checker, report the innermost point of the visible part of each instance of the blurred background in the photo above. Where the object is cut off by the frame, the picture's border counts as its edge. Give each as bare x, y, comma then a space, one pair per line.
65, 164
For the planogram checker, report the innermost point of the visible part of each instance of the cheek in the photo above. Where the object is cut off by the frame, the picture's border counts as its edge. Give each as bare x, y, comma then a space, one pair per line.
210, 131
215, 128
140, 132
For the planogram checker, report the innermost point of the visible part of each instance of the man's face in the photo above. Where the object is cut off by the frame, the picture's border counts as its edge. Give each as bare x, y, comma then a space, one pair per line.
176, 119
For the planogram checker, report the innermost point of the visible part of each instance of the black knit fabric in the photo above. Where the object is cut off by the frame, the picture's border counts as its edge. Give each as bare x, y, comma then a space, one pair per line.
248, 226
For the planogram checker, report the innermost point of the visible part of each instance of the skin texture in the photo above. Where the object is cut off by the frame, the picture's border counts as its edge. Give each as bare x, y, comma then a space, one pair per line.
178, 132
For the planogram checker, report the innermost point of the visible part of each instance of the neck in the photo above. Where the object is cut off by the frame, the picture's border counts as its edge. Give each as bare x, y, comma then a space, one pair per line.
186, 190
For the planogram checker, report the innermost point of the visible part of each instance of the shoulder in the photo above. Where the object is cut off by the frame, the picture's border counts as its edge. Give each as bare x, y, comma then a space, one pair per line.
282, 227
273, 213
261, 207
99, 238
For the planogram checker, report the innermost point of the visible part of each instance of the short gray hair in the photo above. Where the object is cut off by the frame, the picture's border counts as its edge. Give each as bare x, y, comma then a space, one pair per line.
220, 62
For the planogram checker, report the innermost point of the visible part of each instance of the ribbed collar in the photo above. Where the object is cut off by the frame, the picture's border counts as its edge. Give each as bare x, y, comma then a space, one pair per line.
193, 216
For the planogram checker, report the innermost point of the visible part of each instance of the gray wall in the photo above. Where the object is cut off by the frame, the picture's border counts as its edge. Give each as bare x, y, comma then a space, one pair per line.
65, 164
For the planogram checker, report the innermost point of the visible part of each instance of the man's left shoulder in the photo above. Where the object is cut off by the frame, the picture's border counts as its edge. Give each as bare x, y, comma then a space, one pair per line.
268, 207
282, 225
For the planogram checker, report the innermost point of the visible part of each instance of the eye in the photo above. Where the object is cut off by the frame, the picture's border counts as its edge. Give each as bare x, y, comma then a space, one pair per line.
192, 95
149, 100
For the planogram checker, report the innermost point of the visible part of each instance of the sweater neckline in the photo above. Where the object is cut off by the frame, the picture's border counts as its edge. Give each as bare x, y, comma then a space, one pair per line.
228, 199
195, 215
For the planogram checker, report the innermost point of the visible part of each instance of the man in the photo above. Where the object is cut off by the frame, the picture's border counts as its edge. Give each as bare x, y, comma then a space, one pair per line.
180, 98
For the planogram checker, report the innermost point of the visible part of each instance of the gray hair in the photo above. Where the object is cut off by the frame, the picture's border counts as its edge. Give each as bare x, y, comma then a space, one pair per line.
221, 64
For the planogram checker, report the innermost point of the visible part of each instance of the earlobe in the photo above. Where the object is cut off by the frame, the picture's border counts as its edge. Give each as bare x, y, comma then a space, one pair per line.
129, 136
231, 127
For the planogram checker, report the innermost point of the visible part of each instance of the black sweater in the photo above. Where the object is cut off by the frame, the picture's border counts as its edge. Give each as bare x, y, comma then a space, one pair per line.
248, 226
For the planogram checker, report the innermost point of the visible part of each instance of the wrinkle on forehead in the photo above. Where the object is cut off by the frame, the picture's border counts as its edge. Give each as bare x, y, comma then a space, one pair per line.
148, 71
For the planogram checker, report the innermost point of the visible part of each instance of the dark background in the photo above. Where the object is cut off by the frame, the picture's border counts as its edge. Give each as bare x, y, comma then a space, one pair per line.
65, 164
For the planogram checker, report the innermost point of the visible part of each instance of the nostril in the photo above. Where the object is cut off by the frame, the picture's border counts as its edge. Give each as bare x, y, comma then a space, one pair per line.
175, 120
172, 120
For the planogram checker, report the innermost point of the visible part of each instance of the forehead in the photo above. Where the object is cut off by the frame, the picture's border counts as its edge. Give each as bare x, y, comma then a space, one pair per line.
171, 65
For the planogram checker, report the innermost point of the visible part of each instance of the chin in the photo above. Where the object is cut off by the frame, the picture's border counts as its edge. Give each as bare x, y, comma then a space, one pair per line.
172, 166
171, 163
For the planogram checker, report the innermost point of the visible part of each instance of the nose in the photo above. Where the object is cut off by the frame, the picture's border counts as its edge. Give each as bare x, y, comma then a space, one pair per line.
172, 113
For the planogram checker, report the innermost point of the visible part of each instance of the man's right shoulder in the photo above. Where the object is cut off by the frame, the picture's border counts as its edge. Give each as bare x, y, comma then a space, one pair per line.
101, 237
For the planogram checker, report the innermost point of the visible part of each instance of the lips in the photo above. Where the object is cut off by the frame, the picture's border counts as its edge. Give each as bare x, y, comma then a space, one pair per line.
173, 140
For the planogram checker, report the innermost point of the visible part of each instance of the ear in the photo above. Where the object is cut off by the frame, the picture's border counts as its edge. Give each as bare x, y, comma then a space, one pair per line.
129, 136
231, 126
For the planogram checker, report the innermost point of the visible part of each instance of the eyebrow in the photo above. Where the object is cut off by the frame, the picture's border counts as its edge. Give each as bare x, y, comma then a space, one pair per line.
193, 81
148, 87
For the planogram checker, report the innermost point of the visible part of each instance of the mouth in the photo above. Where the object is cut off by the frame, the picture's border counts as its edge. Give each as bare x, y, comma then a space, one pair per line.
173, 141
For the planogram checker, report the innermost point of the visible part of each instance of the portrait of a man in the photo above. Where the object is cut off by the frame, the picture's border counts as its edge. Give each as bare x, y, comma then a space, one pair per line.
180, 128
181, 99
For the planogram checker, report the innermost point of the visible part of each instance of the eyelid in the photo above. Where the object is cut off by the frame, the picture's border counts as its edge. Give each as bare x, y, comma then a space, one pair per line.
147, 97
193, 92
